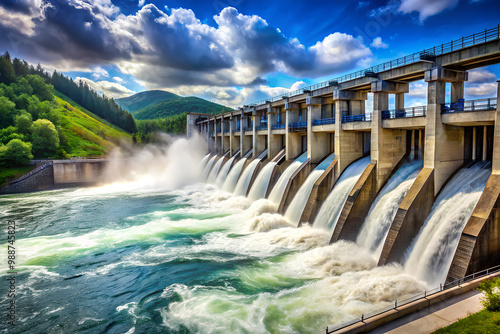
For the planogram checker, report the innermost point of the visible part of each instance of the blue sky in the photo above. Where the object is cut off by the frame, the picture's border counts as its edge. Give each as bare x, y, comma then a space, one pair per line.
235, 51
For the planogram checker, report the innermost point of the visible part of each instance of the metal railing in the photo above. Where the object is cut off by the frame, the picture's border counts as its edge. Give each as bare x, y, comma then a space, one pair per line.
487, 35
261, 127
357, 118
297, 126
425, 294
323, 121
419, 111
278, 126
469, 106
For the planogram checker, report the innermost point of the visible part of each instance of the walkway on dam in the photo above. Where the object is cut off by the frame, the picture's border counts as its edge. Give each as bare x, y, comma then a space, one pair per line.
436, 316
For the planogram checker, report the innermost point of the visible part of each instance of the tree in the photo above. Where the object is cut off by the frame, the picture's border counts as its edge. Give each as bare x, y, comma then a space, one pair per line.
491, 290
7, 112
45, 138
40, 88
23, 122
7, 74
16, 153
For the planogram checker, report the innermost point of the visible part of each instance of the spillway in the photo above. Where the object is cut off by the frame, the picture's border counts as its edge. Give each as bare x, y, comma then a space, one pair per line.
383, 210
430, 256
279, 188
206, 170
233, 176
223, 172
204, 160
296, 207
259, 188
213, 173
244, 181
330, 210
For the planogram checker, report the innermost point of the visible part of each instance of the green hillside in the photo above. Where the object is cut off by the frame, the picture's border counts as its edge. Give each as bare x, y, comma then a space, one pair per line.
145, 99
179, 106
86, 133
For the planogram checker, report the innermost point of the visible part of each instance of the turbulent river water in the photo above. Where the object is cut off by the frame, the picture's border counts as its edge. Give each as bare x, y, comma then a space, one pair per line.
136, 258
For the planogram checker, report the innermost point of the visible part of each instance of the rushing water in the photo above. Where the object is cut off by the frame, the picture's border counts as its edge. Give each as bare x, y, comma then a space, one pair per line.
233, 176
384, 209
330, 210
244, 181
279, 188
297, 205
223, 172
261, 183
430, 256
213, 174
141, 258
204, 160
207, 168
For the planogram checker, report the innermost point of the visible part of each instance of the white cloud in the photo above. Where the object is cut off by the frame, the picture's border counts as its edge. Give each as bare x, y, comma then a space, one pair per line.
100, 73
483, 90
141, 3
118, 79
378, 44
426, 8
481, 75
110, 89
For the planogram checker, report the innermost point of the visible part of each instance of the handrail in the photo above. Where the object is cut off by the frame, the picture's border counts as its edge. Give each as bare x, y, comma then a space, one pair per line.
405, 113
425, 55
297, 126
469, 105
324, 121
261, 127
278, 126
425, 294
357, 118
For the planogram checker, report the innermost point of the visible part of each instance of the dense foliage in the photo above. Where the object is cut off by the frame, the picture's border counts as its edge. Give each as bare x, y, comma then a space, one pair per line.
147, 129
100, 105
179, 106
491, 290
145, 99
35, 123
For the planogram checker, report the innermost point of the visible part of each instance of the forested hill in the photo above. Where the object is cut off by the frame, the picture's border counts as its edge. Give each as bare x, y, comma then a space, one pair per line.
179, 106
145, 99
36, 121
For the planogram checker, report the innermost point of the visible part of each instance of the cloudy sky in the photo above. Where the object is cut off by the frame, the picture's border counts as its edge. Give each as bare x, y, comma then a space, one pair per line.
235, 52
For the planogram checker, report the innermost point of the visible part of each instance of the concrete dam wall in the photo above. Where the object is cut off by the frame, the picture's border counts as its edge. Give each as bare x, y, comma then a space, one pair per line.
450, 148
56, 174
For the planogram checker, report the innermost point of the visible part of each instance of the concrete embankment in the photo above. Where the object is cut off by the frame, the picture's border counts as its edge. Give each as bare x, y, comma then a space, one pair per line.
56, 174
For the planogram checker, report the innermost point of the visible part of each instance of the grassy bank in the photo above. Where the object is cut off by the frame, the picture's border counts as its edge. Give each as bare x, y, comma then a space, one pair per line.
8, 174
87, 134
482, 322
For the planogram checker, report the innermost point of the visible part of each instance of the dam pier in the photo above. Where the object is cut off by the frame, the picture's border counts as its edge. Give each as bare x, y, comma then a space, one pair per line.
320, 147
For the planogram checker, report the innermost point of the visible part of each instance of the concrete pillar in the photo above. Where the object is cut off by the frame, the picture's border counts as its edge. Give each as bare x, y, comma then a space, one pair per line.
474, 143
388, 146
457, 91
444, 144
412, 153
245, 140
399, 101
348, 145
293, 141
259, 141
496, 136
274, 143
317, 142
234, 142
485, 143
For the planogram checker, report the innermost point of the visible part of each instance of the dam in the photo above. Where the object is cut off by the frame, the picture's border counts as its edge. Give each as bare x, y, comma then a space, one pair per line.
418, 185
